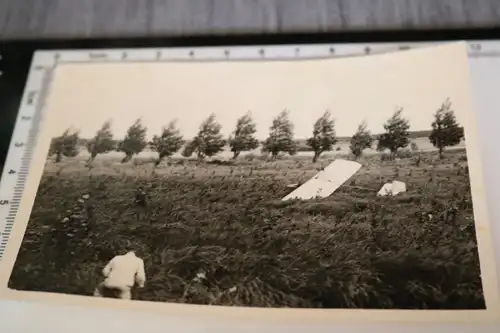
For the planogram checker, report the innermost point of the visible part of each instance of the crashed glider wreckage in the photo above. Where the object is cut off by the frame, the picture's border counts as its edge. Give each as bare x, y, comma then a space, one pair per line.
392, 189
326, 181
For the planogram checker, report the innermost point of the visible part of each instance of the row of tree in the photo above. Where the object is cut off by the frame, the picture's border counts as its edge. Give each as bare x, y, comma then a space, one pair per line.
209, 141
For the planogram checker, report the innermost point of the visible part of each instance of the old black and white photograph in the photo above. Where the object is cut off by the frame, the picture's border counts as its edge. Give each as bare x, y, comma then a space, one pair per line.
329, 183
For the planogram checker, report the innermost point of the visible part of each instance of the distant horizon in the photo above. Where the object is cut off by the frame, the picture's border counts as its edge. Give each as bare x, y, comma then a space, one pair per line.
149, 136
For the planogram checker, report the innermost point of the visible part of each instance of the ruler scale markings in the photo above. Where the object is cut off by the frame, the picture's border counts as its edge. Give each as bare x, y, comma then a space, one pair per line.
224, 53
24, 139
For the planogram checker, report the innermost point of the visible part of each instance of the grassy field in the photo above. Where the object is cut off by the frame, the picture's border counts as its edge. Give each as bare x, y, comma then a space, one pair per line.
352, 249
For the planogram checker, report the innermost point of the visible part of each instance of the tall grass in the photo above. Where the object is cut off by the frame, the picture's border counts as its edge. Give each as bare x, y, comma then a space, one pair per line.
219, 234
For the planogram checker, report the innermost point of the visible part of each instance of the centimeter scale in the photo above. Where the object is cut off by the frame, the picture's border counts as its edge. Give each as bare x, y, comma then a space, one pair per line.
31, 105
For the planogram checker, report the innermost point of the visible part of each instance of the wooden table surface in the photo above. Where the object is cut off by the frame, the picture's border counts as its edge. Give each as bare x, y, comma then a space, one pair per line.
103, 18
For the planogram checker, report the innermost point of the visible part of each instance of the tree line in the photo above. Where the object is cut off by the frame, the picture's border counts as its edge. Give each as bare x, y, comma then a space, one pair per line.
209, 141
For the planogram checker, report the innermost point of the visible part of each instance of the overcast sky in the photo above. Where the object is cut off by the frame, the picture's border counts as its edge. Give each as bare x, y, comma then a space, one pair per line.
84, 96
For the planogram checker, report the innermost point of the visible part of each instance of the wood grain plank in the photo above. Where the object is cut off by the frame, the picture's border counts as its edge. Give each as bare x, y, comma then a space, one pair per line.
83, 18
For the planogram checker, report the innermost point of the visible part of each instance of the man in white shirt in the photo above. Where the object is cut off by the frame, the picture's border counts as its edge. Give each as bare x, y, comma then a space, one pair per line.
121, 274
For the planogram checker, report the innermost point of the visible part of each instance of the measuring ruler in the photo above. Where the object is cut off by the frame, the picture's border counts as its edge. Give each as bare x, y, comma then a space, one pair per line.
31, 111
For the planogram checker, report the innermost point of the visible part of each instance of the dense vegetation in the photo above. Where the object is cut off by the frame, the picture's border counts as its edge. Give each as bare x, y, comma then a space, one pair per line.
210, 142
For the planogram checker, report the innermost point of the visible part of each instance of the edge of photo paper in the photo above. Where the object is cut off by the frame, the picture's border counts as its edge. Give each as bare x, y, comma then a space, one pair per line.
247, 315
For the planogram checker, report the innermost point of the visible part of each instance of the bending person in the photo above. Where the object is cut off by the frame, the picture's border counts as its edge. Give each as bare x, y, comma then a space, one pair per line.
121, 274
